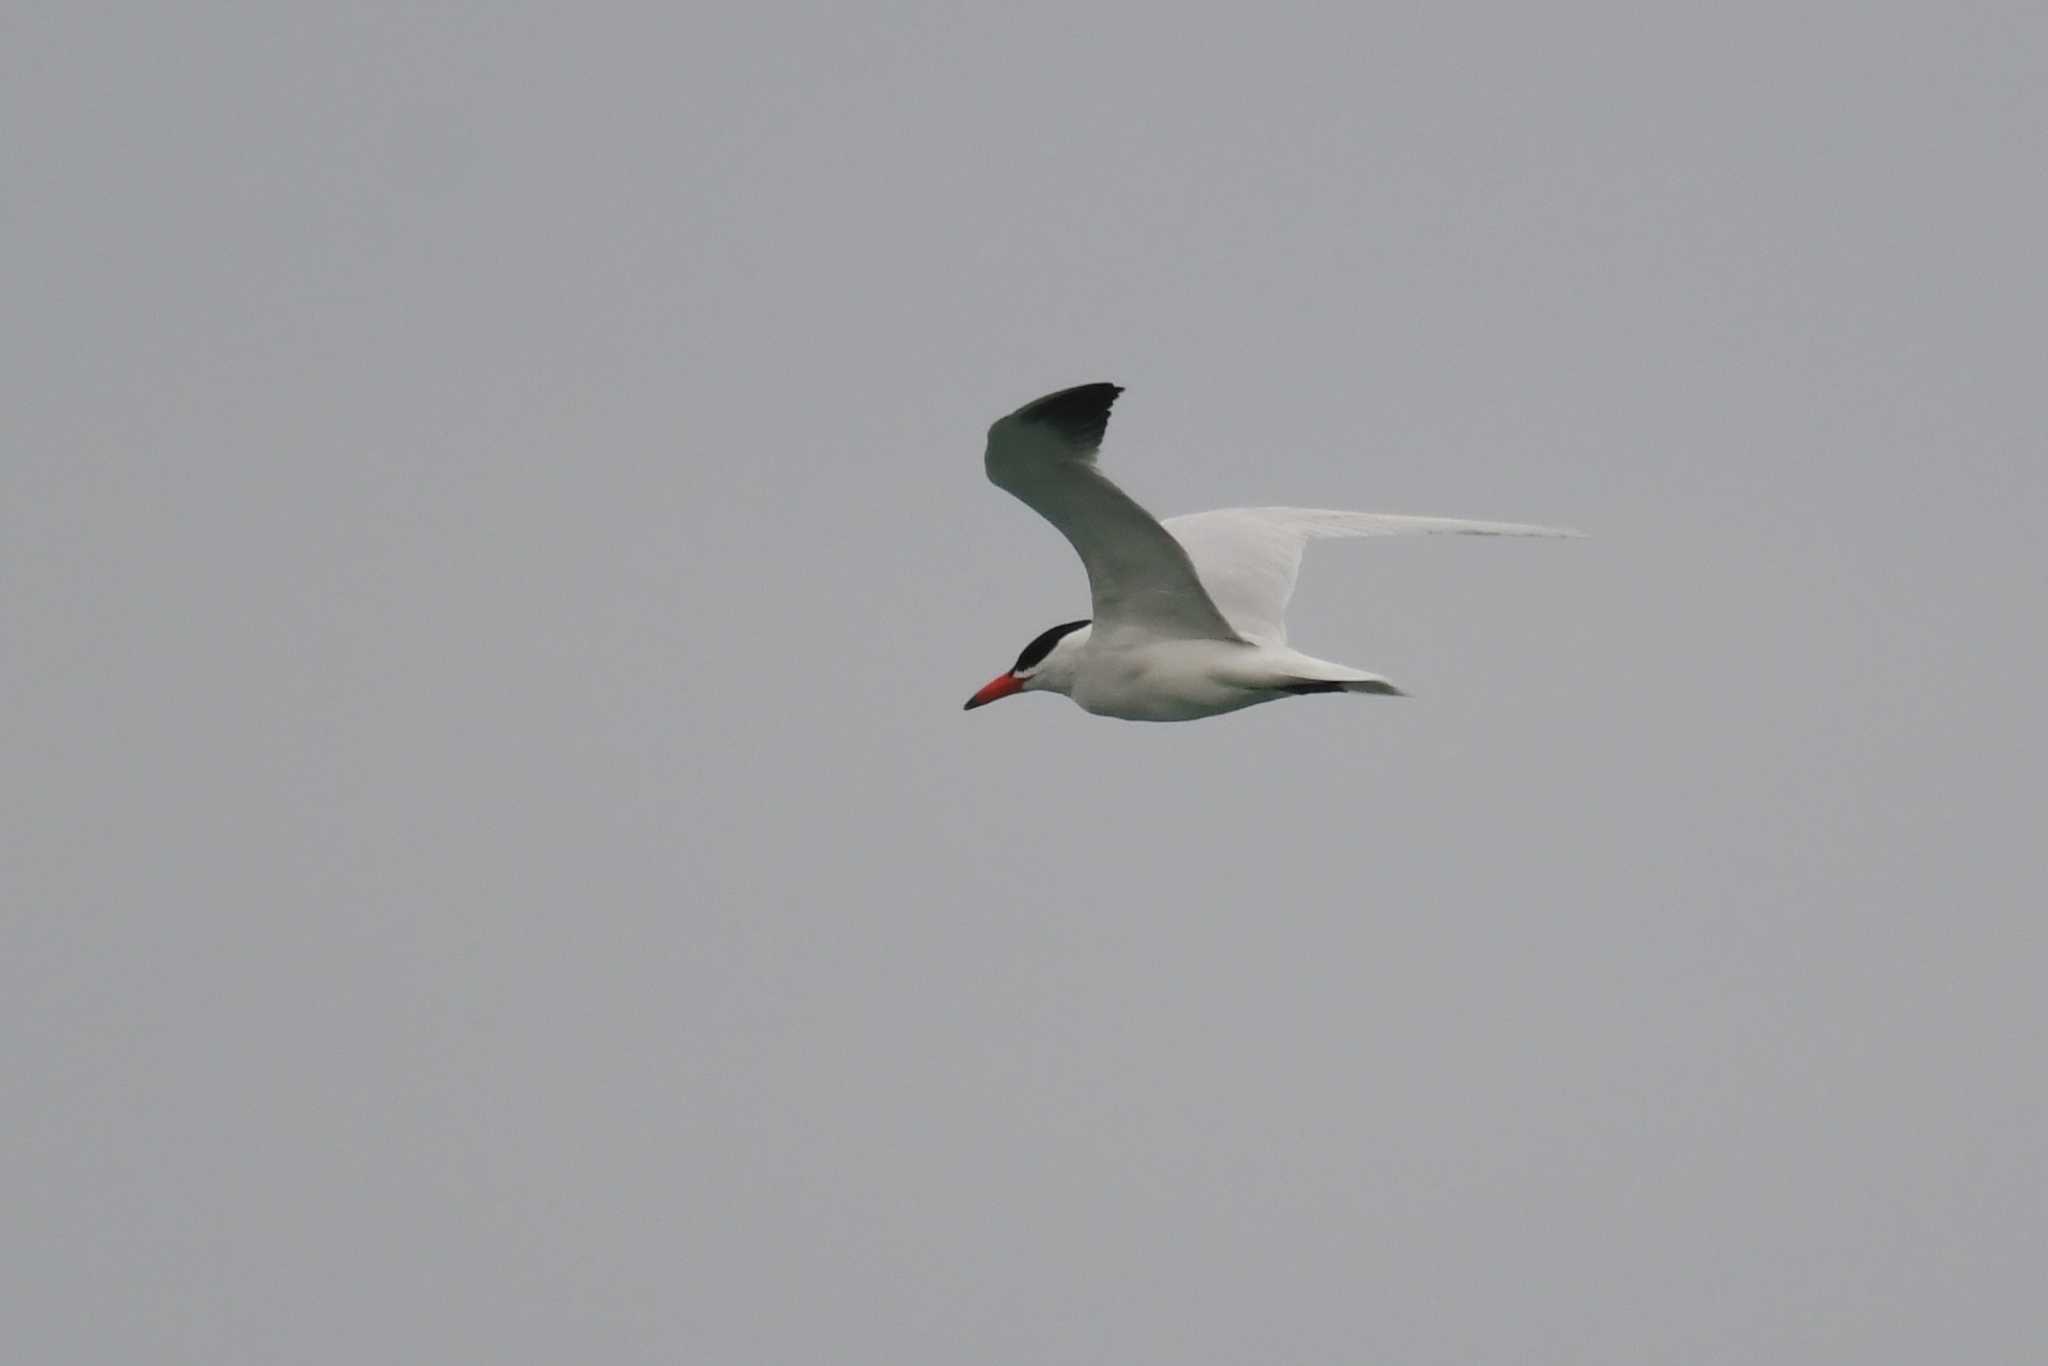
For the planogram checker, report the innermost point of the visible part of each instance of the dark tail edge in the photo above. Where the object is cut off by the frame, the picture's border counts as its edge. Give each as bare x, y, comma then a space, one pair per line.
1378, 687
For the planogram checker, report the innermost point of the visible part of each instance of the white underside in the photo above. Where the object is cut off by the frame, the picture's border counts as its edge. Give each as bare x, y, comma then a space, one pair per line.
1185, 680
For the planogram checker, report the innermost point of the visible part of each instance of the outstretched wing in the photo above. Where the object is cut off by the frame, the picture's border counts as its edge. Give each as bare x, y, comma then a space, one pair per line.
1138, 576
1248, 557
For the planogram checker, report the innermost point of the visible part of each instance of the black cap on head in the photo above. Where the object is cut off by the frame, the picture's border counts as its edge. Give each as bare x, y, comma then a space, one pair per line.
1041, 646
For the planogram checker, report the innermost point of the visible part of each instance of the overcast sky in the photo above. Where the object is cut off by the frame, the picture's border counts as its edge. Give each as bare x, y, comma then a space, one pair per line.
493, 545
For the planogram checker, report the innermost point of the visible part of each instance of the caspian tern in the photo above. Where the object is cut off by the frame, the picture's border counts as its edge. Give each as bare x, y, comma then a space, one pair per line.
1189, 613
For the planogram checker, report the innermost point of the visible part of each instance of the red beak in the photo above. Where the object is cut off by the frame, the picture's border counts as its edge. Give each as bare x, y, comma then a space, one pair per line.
1002, 685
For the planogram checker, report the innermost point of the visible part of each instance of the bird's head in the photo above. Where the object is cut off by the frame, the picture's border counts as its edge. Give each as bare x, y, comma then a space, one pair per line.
1046, 664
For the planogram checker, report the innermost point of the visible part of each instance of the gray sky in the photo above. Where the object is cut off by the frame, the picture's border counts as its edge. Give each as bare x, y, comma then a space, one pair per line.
493, 546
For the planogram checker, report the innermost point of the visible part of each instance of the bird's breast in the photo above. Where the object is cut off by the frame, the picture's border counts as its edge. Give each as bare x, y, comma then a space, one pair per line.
1180, 680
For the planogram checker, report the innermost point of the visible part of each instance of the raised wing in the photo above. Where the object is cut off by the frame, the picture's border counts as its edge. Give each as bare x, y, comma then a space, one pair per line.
1248, 557
1138, 576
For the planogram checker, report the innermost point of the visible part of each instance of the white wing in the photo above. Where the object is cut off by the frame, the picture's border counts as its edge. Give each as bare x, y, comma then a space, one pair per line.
1138, 576
1248, 557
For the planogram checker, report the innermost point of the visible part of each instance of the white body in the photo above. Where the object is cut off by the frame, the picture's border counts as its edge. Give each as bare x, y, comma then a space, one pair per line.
1183, 680
1189, 614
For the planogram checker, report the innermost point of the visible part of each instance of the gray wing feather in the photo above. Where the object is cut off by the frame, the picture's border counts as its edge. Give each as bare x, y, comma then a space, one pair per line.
1248, 558
1139, 576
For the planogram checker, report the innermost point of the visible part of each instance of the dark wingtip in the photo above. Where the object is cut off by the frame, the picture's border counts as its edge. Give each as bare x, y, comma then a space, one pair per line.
1079, 414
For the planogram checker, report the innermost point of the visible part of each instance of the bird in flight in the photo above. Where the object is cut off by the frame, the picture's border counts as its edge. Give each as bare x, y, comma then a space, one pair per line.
1188, 614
